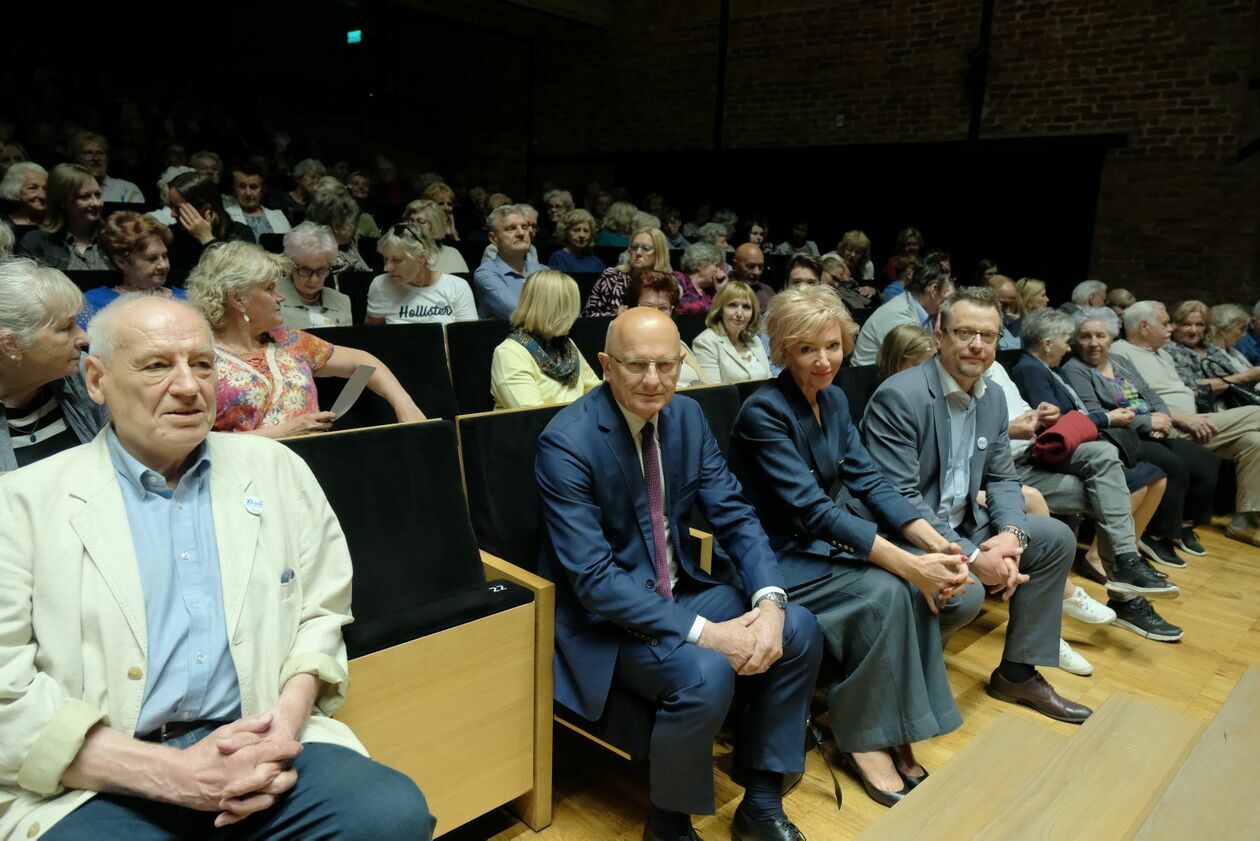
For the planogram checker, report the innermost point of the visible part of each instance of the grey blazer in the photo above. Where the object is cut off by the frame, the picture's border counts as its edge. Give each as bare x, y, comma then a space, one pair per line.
906, 431
1098, 393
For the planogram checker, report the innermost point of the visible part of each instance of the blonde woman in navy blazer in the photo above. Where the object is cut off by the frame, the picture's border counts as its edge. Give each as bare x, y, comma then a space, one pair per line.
805, 468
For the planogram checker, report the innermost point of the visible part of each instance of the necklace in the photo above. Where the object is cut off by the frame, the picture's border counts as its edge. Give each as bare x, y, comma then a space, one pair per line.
40, 414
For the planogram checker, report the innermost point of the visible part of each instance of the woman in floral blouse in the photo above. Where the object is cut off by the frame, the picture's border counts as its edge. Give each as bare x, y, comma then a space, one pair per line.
266, 373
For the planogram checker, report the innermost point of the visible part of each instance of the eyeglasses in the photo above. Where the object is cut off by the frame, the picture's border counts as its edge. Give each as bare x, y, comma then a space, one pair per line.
640, 367
308, 272
966, 335
642, 249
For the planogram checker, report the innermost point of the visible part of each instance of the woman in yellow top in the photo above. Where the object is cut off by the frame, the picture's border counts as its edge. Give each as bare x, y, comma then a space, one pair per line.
538, 363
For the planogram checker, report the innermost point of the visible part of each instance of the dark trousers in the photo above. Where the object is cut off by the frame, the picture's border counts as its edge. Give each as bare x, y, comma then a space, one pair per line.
1202, 467
340, 794
693, 689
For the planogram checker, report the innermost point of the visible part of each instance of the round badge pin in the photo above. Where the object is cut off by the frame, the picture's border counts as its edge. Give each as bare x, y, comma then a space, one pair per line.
253, 505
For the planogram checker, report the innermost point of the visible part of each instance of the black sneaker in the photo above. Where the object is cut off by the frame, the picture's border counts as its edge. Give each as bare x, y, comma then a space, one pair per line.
1139, 616
1189, 543
1130, 575
1160, 550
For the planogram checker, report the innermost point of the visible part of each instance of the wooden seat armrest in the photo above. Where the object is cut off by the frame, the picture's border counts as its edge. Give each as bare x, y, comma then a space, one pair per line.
704, 549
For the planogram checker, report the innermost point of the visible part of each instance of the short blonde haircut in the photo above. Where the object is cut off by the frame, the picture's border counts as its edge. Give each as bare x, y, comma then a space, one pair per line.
731, 291
902, 344
549, 304
413, 243
803, 312
1028, 288
620, 217
229, 269
659, 243
1187, 308
430, 217
437, 190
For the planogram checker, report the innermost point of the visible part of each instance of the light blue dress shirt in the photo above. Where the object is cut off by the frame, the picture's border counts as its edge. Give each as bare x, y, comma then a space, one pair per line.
956, 481
925, 319
191, 675
498, 287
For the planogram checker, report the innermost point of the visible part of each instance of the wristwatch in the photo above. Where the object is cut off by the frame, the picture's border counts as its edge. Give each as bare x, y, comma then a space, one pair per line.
1019, 533
778, 598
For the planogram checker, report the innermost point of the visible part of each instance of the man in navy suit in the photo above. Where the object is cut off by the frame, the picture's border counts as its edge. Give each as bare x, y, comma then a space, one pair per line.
619, 472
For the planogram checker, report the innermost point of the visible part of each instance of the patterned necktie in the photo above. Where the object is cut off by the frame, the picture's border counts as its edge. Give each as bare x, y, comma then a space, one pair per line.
656, 506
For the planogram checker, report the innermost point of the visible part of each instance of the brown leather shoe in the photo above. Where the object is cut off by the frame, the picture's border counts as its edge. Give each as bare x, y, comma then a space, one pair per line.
1036, 692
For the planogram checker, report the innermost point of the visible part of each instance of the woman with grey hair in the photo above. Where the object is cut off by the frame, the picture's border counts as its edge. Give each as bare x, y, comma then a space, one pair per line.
617, 225
332, 205
1226, 325
25, 186
293, 203
1204, 362
704, 266
266, 374
1156, 513
308, 301
1105, 383
412, 291
44, 405
715, 234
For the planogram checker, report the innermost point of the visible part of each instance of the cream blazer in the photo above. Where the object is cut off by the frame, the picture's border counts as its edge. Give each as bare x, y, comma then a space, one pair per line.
722, 363
73, 648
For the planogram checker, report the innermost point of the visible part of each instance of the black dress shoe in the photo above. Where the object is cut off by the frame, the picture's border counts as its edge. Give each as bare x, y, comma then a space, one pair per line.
1082, 568
692, 835
778, 829
883, 798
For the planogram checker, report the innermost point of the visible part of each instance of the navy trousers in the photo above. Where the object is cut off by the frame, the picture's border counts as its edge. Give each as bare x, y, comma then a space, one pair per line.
693, 690
339, 794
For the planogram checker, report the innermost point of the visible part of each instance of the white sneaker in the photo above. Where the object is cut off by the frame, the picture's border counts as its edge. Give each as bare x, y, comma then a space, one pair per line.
1083, 608
1070, 661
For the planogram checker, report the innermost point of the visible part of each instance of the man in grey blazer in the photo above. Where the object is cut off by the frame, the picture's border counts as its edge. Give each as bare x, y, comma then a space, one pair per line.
940, 437
926, 289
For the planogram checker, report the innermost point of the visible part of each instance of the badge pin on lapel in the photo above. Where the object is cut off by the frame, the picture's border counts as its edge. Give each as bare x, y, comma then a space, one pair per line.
982, 442
253, 505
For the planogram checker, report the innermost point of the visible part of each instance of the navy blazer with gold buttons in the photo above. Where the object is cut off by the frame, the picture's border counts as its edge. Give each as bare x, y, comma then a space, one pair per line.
803, 477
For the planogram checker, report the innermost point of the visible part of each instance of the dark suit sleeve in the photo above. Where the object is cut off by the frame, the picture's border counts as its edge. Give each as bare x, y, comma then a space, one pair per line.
765, 435
892, 439
735, 524
574, 523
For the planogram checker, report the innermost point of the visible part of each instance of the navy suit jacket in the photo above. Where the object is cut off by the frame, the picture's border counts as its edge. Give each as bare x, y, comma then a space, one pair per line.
598, 544
802, 478
1035, 382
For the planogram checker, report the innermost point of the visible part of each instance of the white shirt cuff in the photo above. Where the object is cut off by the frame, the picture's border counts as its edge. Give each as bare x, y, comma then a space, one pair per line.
693, 636
764, 590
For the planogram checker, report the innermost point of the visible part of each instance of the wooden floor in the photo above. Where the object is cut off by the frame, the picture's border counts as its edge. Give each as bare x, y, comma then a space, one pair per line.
599, 797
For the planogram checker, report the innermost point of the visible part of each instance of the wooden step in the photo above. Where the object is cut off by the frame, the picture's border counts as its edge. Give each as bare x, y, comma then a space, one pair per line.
977, 782
1105, 780
1214, 793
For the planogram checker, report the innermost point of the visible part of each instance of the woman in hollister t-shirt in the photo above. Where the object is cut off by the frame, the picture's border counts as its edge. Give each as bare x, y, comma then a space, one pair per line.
410, 291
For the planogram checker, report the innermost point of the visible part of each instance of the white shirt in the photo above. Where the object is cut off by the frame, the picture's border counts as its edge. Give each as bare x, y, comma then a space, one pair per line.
447, 299
636, 425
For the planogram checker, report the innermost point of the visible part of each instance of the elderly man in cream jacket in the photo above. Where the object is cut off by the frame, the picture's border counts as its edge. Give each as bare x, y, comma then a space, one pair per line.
170, 621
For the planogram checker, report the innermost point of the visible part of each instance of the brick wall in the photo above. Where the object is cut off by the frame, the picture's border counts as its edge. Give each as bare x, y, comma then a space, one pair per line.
1175, 211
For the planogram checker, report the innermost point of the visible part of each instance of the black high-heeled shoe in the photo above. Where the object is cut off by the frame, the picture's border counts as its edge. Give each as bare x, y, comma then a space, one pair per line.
912, 780
883, 798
